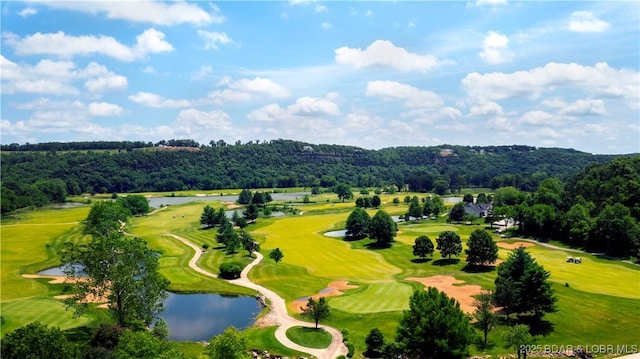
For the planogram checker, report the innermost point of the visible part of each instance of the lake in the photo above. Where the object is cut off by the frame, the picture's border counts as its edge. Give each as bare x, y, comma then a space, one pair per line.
156, 202
198, 317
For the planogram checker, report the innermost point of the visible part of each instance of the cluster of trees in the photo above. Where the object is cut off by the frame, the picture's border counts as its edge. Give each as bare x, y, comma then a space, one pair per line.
227, 235
380, 228
597, 209
482, 250
278, 163
423, 208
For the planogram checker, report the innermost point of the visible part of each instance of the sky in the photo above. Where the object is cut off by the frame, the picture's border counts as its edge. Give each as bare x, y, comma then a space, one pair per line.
368, 74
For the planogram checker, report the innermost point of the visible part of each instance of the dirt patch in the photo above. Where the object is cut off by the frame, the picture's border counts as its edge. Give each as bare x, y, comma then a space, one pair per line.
232, 205
514, 245
267, 320
462, 293
332, 290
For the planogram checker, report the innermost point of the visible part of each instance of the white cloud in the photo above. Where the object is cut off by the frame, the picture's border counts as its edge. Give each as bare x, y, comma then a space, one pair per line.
413, 97
537, 118
303, 108
501, 124
212, 39
382, 53
584, 108
495, 48
586, 21
258, 85
28, 11
486, 109
154, 12
57, 77
203, 72
192, 122
152, 100
599, 79
104, 109
63, 45
368, 13
321, 8
107, 82
326, 25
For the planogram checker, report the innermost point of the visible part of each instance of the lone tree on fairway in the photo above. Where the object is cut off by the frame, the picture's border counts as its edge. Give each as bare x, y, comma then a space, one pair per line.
276, 255
124, 271
343, 191
358, 223
433, 327
382, 228
482, 248
316, 309
484, 314
423, 247
449, 243
522, 285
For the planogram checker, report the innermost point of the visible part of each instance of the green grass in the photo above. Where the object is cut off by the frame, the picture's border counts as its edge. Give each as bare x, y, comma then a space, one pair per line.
375, 298
264, 338
18, 313
309, 337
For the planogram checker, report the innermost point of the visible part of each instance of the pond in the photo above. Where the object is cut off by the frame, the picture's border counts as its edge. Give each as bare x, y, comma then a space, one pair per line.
156, 202
198, 317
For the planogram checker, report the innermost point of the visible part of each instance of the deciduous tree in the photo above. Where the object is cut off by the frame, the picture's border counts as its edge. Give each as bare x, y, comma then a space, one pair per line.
37, 341
231, 344
484, 314
316, 309
482, 248
358, 223
449, 244
423, 247
382, 228
276, 255
375, 343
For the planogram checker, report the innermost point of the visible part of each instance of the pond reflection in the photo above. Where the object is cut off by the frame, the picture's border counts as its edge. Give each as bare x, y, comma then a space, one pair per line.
198, 317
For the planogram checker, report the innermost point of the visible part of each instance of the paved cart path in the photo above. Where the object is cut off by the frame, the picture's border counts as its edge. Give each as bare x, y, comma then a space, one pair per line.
278, 309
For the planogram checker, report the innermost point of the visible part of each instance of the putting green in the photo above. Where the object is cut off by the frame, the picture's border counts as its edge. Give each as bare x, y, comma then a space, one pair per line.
50, 312
302, 243
377, 297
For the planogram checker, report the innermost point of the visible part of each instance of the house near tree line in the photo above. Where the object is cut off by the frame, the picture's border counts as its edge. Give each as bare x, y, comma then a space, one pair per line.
480, 210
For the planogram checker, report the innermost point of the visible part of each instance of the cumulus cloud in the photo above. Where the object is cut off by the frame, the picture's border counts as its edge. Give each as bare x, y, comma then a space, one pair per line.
195, 122
491, 2
382, 53
104, 109
257, 85
212, 39
153, 12
66, 46
303, 107
599, 79
57, 77
486, 109
412, 96
586, 21
326, 25
584, 108
153, 100
495, 48
537, 118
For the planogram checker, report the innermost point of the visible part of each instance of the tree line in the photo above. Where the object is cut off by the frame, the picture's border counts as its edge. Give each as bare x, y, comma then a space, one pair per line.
76, 169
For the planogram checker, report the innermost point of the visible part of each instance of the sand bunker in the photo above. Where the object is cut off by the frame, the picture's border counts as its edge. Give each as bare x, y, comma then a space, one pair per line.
514, 245
58, 279
462, 293
333, 289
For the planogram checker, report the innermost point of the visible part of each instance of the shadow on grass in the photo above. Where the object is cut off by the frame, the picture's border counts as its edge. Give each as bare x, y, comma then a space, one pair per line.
376, 245
445, 261
421, 260
538, 326
481, 346
472, 268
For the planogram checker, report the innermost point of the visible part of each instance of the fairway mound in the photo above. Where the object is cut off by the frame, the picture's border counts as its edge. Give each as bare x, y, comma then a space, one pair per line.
514, 245
444, 283
333, 289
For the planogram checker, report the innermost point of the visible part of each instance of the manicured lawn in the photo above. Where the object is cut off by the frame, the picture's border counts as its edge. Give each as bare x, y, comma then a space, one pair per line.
301, 241
18, 313
376, 298
309, 337
265, 338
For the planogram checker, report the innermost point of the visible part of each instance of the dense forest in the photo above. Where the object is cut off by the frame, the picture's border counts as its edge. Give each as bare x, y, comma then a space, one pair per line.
33, 176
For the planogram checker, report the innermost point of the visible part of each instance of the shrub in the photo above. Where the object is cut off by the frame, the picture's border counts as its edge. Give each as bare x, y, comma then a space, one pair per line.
351, 350
231, 270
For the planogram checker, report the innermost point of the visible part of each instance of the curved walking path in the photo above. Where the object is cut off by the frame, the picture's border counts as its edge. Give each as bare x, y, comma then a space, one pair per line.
278, 308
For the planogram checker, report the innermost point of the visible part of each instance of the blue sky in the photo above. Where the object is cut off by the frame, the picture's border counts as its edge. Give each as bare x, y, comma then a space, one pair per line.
369, 74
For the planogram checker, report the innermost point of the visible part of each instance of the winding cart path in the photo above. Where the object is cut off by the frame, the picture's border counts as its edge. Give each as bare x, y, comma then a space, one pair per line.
278, 309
